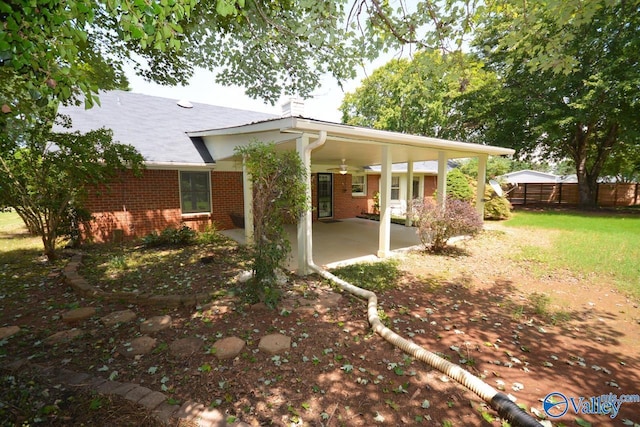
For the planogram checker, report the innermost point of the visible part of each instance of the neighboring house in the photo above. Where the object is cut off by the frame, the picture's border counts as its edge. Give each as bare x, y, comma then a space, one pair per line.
193, 175
530, 176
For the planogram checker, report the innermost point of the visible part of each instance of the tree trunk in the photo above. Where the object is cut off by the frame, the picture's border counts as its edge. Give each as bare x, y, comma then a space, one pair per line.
588, 176
49, 244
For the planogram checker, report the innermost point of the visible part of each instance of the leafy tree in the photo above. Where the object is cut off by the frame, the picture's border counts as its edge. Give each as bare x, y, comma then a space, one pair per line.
496, 166
416, 96
451, 24
273, 47
57, 50
560, 78
279, 195
53, 50
45, 177
585, 110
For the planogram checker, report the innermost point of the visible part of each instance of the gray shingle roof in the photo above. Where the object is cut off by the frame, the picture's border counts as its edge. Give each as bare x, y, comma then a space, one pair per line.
157, 126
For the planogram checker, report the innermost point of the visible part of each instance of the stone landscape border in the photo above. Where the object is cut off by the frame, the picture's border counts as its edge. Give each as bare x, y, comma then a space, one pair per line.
85, 289
154, 401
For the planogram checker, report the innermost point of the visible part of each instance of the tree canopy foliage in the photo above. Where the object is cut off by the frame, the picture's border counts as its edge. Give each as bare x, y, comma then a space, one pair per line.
52, 50
556, 79
588, 111
418, 96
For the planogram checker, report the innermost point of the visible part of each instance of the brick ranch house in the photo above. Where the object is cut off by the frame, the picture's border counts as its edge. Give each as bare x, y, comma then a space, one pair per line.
193, 176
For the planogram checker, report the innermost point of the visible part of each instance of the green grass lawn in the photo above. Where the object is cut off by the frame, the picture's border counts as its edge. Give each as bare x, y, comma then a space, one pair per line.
14, 235
604, 246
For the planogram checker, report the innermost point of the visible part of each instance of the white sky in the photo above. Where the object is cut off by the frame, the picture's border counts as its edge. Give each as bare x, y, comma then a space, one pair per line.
202, 88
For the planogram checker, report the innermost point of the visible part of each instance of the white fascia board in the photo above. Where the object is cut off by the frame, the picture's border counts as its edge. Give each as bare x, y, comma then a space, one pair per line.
356, 134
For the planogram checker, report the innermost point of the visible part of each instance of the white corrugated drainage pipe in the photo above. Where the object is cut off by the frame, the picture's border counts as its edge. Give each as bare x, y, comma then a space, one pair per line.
499, 401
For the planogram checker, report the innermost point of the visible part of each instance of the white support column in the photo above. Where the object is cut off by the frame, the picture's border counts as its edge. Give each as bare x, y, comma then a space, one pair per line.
482, 178
384, 236
304, 230
442, 177
409, 212
247, 191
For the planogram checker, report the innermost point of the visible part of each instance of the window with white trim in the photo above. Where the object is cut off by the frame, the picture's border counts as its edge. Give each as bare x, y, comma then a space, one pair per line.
195, 192
358, 185
395, 188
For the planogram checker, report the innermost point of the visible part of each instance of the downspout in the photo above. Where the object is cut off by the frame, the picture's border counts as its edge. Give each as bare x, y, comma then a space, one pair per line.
308, 218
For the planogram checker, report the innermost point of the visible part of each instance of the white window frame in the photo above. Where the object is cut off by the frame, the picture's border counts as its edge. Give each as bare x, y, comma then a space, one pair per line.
363, 184
395, 186
182, 211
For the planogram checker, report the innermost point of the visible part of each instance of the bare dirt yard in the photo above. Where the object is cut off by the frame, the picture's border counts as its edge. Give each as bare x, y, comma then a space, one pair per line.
524, 329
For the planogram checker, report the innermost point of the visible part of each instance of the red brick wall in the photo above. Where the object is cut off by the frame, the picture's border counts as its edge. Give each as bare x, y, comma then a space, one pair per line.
430, 185
345, 205
139, 205
135, 206
227, 197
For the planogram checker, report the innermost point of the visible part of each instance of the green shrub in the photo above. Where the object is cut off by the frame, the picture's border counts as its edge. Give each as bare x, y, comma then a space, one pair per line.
170, 236
210, 235
458, 186
437, 225
496, 208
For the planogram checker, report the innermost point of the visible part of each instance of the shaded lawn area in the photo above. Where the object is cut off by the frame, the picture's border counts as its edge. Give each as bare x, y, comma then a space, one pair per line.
526, 327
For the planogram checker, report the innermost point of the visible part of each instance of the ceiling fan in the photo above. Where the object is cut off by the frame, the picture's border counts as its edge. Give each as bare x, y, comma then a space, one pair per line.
342, 168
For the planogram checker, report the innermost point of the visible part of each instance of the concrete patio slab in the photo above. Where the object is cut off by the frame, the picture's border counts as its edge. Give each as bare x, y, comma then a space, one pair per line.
344, 241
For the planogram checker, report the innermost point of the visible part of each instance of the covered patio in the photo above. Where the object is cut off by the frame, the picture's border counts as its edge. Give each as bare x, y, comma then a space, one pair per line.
344, 241
326, 147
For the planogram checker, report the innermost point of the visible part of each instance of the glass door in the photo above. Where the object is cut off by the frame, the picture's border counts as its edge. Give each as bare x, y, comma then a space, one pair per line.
325, 195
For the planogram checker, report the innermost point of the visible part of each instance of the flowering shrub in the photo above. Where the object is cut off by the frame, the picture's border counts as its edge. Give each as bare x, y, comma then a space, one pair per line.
437, 225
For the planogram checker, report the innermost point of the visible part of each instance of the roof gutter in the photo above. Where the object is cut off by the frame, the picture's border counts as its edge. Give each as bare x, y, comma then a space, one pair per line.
367, 134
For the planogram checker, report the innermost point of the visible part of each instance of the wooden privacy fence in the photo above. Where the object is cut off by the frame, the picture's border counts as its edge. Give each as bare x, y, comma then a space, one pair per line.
567, 193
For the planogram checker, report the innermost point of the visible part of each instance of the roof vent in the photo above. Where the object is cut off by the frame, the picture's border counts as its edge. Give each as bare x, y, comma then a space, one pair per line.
185, 104
293, 107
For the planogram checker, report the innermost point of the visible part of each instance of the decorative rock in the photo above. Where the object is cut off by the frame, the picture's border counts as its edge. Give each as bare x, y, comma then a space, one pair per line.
7, 331
244, 276
63, 336
275, 343
185, 347
155, 324
138, 346
152, 400
78, 314
116, 317
228, 348
217, 307
329, 300
259, 306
